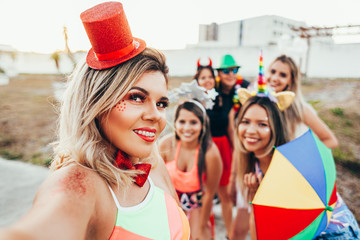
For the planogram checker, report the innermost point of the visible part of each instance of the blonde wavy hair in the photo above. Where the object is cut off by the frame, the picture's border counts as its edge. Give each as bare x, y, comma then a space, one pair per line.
89, 97
279, 135
295, 113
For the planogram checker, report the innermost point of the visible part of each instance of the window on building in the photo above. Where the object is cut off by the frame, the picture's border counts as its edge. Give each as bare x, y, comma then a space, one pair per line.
241, 33
212, 32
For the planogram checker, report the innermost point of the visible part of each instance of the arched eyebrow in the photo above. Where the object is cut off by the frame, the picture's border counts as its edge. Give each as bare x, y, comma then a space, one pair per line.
164, 98
256, 120
140, 89
262, 121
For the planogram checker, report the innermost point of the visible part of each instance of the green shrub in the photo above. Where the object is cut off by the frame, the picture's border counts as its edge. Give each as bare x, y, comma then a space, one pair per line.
348, 160
10, 156
314, 104
337, 111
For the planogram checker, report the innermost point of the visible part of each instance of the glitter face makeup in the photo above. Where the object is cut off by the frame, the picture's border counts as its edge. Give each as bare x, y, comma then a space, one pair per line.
135, 123
121, 106
266, 129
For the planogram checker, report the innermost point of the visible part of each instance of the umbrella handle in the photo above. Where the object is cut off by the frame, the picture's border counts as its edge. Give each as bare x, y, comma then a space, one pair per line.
328, 208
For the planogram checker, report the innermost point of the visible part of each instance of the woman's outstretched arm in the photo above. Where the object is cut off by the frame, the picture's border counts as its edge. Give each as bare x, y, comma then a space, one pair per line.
62, 208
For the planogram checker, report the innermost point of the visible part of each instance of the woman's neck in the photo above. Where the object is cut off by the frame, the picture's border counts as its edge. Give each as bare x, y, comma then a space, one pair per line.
134, 160
264, 162
189, 145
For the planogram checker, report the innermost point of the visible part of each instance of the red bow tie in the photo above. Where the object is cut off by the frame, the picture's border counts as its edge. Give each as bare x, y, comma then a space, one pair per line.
123, 162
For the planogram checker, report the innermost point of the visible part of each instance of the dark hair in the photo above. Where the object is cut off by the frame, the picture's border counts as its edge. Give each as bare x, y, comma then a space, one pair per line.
205, 140
200, 68
279, 131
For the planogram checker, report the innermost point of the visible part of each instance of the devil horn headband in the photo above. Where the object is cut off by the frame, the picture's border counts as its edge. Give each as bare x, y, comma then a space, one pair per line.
209, 64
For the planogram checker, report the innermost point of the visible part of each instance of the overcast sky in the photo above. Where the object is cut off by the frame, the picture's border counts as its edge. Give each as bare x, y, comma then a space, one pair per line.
37, 25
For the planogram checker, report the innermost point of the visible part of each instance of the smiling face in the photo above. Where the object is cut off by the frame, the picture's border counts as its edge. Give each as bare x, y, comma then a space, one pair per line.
228, 77
279, 76
206, 79
137, 120
254, 130
188, 126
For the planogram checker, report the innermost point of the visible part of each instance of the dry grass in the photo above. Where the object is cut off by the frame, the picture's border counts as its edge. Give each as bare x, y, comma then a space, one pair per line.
28, 118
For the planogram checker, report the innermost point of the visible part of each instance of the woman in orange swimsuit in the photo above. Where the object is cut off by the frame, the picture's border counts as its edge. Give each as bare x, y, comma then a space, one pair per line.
112, 113
194, 164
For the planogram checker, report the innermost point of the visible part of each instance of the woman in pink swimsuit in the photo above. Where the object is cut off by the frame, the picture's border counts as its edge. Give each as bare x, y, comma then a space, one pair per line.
112, 113
194, 164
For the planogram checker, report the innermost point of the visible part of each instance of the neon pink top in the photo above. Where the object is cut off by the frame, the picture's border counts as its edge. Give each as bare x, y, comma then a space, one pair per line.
187, 184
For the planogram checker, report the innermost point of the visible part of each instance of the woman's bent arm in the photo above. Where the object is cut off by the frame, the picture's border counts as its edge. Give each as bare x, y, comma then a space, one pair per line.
312, 120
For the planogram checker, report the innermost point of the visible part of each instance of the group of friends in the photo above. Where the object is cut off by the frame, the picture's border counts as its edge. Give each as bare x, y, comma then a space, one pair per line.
113, 178
245, 135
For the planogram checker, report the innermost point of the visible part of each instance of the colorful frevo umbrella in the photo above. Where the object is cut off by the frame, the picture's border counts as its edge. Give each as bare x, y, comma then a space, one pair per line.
295, 199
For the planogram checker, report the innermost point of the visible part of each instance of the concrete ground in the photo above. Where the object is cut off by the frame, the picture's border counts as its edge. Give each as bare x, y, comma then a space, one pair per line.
18, 184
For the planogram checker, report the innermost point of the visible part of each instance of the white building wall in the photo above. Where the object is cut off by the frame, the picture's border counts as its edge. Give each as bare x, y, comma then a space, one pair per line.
252, 35
7, 64
267, 30
202, 32
257, 31
183, 62
228, 34
325, 60
334, 61
35, 63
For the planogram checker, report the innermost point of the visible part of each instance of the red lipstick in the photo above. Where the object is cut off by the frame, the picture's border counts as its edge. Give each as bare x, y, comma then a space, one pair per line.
147, 134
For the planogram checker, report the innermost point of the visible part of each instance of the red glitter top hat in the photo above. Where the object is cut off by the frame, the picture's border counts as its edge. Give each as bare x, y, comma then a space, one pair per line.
109, 33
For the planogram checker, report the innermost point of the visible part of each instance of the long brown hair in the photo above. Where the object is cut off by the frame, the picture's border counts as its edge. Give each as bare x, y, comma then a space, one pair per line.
294, 113
279, 135
205, 140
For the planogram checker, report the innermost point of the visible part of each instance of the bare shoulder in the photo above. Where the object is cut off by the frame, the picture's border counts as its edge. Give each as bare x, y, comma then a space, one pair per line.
63, 206
166, 145
213, 152
72, 181
213, 156
309, 110
167, 140
71, 190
